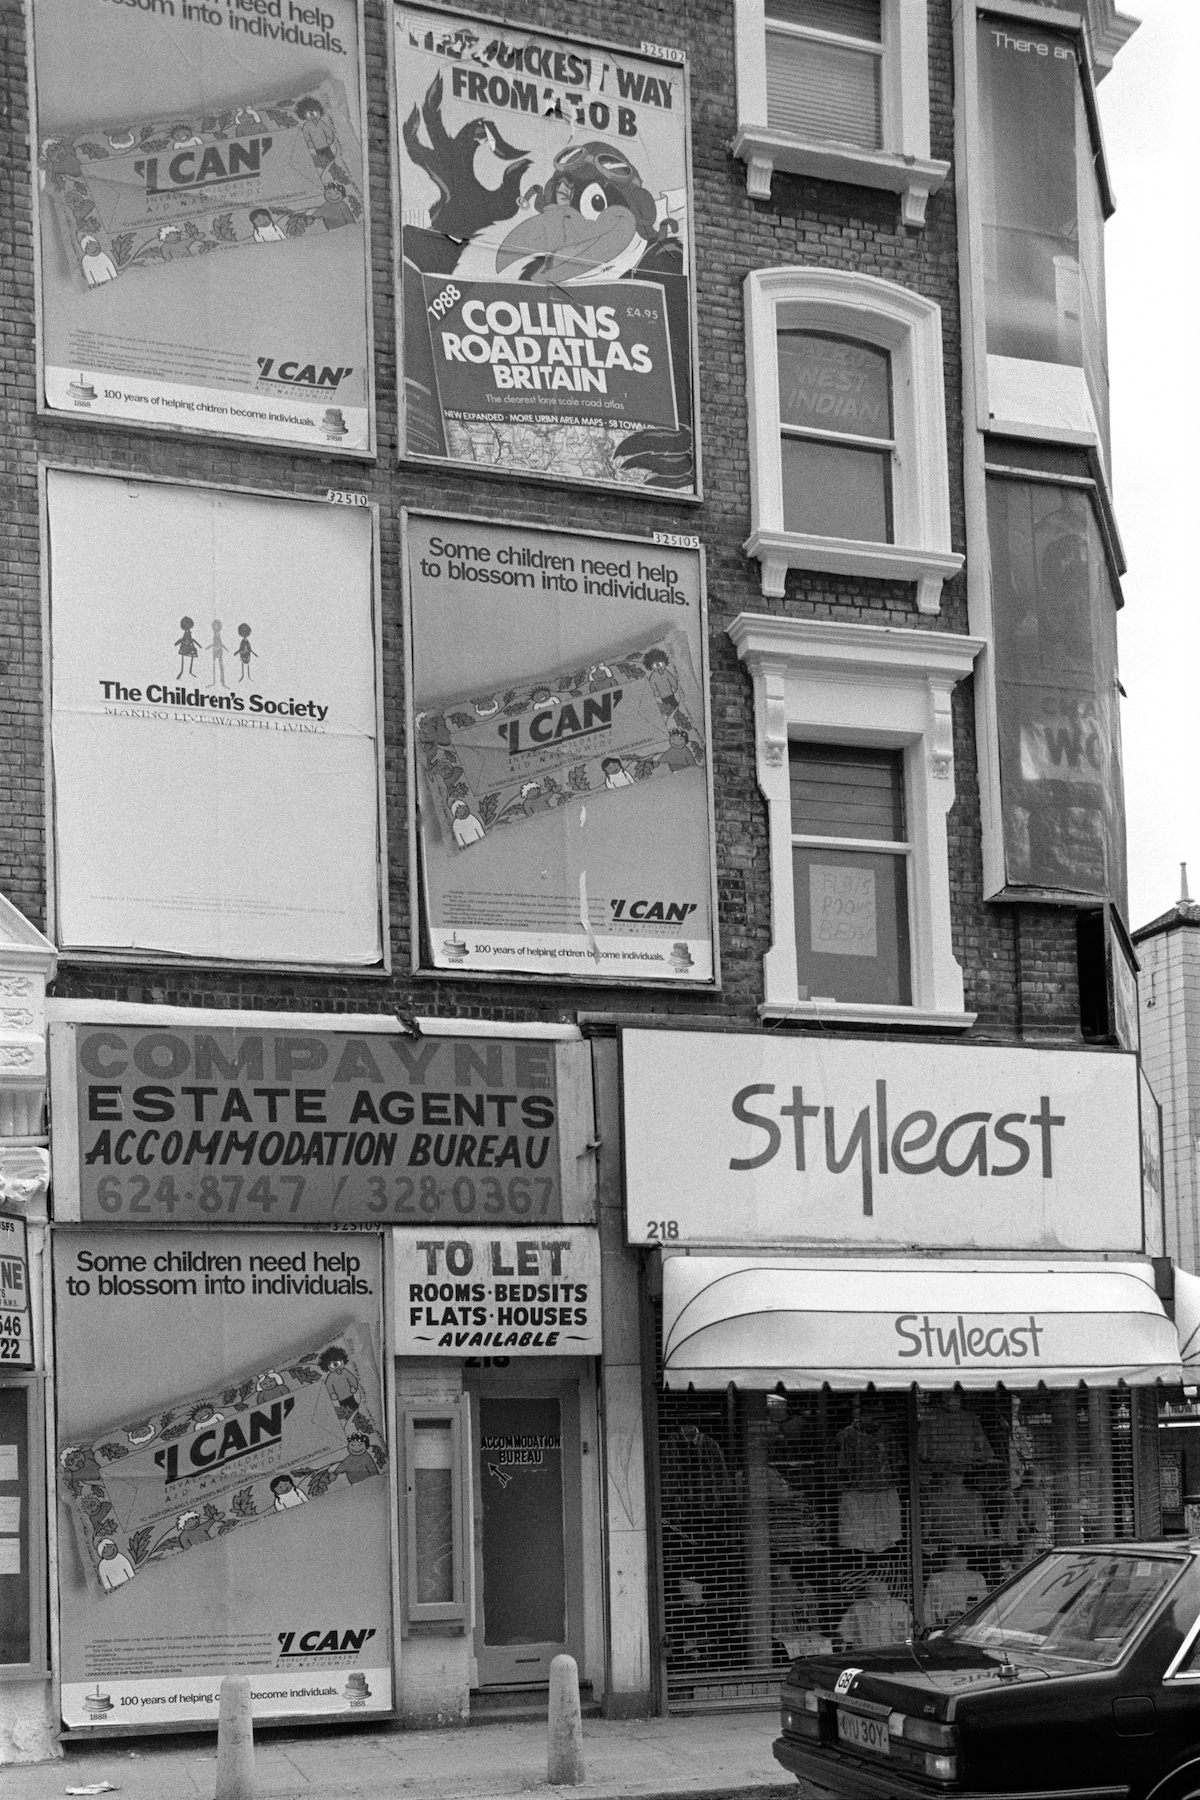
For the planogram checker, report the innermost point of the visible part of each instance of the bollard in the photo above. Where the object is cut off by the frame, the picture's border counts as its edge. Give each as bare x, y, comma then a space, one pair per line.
235, 1741
564, 1766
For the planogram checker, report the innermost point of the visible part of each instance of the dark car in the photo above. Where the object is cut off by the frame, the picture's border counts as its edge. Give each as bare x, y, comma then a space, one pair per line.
1080, 1677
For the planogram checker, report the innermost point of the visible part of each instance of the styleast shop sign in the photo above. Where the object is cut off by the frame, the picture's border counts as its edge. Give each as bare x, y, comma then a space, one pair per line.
747, 1139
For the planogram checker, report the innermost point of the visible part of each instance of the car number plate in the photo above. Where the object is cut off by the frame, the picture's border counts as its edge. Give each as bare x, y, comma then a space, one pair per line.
863, 1733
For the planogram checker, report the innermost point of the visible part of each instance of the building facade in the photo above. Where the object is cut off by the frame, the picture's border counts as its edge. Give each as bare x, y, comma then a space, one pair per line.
569, 1077
1168, 951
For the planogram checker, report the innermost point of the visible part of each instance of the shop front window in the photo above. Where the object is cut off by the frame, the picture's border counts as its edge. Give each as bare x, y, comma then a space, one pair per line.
803, 1523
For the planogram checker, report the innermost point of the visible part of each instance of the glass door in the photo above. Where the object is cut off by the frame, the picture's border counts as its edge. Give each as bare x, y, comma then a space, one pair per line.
526, 1460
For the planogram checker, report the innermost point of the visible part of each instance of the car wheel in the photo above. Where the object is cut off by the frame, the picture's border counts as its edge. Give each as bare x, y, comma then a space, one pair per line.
1181, 1784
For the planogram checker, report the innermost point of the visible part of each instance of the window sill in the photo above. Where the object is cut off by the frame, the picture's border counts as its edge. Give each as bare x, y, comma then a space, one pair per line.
914, 178
779, 551
837, 1012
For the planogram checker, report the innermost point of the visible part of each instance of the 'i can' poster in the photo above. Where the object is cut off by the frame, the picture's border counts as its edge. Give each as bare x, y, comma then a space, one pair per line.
202, 208
545, 227
561, 751
222, 1474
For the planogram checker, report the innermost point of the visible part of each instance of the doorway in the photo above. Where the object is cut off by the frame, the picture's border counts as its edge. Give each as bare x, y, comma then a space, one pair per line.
528, 1551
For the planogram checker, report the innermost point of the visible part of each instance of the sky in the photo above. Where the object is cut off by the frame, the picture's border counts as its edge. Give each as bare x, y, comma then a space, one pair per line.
1150, 141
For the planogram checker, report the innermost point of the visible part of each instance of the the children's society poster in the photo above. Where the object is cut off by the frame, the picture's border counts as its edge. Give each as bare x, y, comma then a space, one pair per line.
214, 723
222, 1474
560, 744
545, 231
202, 216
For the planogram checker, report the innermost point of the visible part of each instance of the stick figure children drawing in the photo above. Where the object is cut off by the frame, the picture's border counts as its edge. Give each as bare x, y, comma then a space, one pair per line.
217, 647
245, 651
187, 647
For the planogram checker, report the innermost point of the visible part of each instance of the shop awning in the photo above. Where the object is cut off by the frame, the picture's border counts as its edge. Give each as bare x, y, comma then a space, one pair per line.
1187, 1322
893, 1321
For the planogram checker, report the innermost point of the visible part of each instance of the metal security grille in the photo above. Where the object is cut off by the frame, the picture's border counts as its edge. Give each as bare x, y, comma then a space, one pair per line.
844, 1521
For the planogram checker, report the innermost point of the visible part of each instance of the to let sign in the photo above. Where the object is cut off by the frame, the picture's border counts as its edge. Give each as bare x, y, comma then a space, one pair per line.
498, 1293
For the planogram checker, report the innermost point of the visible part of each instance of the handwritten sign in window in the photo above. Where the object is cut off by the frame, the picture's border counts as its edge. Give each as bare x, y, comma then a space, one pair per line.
842, 910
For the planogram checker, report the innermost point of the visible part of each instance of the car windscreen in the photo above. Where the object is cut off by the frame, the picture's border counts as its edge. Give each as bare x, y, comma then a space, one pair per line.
1084, 1607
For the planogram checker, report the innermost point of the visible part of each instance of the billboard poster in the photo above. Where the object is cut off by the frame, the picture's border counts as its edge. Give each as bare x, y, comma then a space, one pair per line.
757, 1140
202, 197
561, 752
545, 228
222, 1469
519, 1293
255, 1127
205, 682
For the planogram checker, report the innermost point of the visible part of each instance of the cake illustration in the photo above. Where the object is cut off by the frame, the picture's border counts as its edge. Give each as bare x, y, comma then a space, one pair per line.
82, 391
334, 424
456, 949
97, 1706
681, 958
356, 1690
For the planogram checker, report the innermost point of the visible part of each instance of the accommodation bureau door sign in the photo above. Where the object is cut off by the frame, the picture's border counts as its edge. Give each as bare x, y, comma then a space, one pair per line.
505, 1456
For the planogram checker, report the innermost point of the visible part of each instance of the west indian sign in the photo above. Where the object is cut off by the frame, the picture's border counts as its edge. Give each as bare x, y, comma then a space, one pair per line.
752, 1139
255, 1126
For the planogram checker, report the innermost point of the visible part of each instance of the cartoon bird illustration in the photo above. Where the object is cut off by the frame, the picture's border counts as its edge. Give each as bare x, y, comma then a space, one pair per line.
594, 219
465, 204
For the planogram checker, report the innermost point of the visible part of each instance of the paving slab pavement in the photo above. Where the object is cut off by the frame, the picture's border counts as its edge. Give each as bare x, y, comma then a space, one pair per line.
704, 1755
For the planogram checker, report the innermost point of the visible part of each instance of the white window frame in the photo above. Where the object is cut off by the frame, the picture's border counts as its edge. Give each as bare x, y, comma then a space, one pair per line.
903, 166
909, 327
826, 681
453, 1415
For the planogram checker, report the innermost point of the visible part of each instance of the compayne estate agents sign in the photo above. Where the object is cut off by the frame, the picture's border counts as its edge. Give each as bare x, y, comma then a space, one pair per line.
743, 1139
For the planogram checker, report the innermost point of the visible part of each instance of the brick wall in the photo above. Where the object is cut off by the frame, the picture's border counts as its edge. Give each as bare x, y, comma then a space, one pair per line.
1019, 962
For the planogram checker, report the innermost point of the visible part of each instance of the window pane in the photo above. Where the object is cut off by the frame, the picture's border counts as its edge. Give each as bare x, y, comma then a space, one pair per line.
833, 491
834, 384
852, 18
823, 92
852, 925
1042, 254
433, 1482
845, 792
